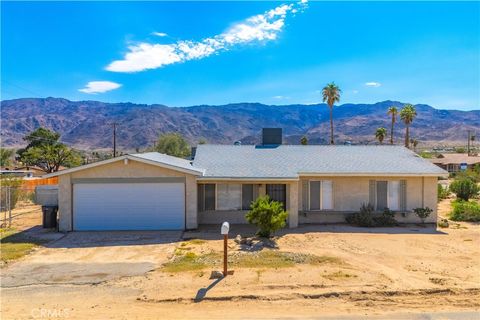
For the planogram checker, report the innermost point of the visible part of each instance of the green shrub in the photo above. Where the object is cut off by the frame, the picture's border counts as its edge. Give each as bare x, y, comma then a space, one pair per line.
363, 218
267, 215
423, 213
464, 188
465, 211
366, 218
442, 193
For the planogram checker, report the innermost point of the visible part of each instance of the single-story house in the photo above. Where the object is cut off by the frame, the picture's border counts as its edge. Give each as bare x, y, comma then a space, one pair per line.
453, 162
316, 184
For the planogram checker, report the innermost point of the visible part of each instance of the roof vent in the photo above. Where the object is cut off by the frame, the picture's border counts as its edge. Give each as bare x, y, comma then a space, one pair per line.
271, 136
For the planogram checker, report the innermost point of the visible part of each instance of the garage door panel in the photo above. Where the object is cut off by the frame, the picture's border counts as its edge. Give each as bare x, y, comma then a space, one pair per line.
129, 206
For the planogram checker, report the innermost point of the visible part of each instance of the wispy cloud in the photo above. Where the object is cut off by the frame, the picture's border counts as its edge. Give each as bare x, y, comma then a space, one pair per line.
281, 97
373, 84
259, 28
159, 34
94, 87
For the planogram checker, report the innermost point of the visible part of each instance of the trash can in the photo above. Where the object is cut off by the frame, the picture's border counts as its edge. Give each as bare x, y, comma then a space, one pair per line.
49, 216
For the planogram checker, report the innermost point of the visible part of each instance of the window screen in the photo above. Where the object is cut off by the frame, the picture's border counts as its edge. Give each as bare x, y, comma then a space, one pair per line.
382, 194
201, 197
209, 196
315, 195
229, 196
247, 196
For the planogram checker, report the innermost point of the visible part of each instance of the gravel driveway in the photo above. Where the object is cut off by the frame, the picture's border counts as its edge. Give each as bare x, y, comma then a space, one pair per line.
92, 257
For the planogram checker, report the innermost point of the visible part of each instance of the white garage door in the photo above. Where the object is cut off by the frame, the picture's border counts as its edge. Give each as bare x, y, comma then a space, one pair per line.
128, 206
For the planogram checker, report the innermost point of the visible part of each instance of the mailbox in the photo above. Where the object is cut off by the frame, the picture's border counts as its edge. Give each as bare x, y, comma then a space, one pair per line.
225, 228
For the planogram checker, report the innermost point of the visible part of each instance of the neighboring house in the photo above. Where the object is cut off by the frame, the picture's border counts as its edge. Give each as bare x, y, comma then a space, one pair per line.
24, 172
316, 184
453, 162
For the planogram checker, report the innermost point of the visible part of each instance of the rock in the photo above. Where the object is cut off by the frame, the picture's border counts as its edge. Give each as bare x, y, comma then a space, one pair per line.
238, 239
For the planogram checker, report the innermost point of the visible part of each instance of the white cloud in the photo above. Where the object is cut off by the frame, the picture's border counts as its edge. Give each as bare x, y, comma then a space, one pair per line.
94, 87
354, 91
159, 34
373, 84
280, 97
259, 28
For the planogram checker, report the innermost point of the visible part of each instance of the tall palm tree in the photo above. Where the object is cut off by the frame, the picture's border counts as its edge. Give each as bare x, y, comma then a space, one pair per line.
407, 114
331, 94
393, 111
380, 134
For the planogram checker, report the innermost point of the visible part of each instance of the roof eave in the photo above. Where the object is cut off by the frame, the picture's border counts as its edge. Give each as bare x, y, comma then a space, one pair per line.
192, 171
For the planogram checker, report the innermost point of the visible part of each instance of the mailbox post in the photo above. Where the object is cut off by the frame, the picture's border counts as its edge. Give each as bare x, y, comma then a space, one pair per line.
224, 230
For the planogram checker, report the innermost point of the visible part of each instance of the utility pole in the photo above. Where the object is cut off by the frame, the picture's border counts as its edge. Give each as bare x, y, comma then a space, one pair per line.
468, 144
114, 139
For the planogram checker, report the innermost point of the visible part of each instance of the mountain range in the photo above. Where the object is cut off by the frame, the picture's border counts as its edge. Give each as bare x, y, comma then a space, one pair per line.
88, 124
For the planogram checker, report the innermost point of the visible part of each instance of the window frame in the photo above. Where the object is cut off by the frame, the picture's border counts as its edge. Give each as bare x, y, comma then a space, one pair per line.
320, 196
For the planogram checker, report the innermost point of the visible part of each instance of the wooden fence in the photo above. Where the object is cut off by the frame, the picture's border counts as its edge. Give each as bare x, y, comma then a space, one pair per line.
32, 183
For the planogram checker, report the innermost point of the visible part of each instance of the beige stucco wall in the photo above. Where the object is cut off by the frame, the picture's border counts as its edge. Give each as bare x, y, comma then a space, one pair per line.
134, 169
350, 192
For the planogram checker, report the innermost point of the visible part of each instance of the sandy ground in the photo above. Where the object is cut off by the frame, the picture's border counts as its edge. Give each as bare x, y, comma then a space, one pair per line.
386, 273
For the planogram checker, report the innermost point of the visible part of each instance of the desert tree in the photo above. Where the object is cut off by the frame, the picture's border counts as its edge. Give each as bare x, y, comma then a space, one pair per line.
45, 151
173, 144
408, 114
331, 94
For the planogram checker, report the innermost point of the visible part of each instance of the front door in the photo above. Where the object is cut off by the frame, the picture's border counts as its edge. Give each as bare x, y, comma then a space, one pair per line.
277, 192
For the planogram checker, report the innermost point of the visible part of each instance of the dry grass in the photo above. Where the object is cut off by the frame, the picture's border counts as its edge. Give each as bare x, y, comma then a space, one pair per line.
267, 259
15, 245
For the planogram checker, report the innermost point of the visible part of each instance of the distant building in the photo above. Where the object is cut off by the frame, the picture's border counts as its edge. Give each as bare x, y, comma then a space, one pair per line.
22, 171
455, 162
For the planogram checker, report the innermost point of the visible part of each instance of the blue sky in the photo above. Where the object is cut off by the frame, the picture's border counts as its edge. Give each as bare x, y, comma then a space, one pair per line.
190, 53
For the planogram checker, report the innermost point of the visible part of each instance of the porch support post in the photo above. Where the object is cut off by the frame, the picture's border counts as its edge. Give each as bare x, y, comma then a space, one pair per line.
292, 201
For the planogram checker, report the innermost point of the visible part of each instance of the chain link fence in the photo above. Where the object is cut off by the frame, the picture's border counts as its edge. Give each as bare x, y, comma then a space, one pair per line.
10, 198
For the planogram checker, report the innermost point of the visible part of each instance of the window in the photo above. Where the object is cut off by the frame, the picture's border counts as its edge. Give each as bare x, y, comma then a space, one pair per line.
277, 192
321, 195
247, 196
226, 196
209, 196
388, 195
229, 196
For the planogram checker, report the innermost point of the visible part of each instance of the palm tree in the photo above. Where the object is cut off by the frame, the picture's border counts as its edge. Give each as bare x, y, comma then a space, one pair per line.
380, 134
331, 94
407, 114
393, 111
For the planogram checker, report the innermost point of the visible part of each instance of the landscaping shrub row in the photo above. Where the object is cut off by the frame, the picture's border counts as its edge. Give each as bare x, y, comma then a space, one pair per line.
465, 211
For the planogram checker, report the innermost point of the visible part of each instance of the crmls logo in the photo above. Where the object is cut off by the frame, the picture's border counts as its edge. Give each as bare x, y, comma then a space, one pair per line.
39, 313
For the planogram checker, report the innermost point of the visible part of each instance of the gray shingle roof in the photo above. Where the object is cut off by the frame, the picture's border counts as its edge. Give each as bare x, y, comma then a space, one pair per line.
168, 160
290, 161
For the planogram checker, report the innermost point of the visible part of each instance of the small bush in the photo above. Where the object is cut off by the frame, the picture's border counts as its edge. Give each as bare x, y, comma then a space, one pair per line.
465, 211
464, 188
423, 213
366, 218
442, 193
267, 215
387, 219
363, 218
